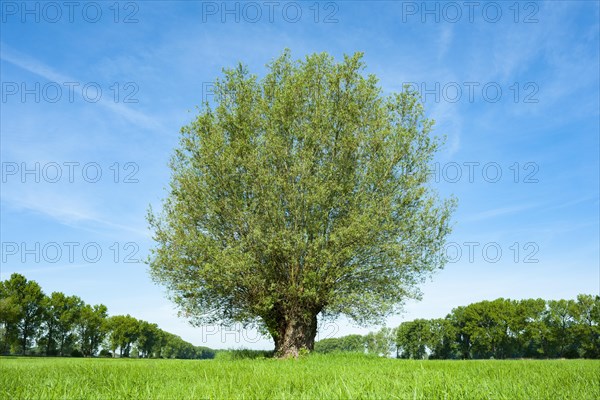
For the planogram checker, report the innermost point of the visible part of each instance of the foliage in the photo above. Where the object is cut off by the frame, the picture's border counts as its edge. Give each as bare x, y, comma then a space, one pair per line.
91, 328
124, 332
10, 314
413, 338
506, 328
148, 338
349, 343
66, 326
303, 193
22, 311
242, 354
503, 328
381, 342
377, 343
60, 316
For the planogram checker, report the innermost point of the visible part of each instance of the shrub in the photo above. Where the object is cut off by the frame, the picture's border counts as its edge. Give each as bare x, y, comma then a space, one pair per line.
240, 354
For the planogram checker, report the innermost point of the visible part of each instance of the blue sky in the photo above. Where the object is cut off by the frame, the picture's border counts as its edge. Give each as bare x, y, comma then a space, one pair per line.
93, 98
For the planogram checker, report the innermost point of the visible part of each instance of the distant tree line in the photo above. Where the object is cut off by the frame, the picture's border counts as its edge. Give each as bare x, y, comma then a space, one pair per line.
503, 328
380, 343
32, 323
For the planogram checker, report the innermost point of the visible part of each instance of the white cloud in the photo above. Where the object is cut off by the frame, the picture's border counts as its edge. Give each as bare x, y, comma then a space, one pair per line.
67, 208
36, 67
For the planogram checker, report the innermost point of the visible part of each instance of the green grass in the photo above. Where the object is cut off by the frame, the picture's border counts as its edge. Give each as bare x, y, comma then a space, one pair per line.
316, 376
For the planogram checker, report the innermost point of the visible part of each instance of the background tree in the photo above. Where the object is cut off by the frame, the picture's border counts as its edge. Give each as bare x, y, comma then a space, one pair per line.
301, 194
380, 342
123, 330
60, 322
560, 321
503, 328
91, 328
412, 339
47, 341
10, 312
530, 327
587, 325
442, 339
458, 320
60, 314
349, 343
169, 349
29, 297
148, 337
160, 344
487, 323
69, 310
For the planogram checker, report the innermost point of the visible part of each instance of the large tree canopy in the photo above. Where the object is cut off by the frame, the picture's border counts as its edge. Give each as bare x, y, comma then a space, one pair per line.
298, 194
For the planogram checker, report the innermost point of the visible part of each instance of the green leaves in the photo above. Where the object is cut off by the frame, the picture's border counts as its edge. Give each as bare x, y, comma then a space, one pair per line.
91, 328
22, 311
506, 328
65, 325
301, 192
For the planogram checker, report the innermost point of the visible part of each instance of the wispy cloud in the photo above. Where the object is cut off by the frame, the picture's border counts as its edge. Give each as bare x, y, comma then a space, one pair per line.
571, 203
36, 67
445, 40
498, 212
67, 209
448, 123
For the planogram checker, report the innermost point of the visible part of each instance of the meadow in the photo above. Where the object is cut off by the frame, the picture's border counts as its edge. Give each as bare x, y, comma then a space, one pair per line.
347, 376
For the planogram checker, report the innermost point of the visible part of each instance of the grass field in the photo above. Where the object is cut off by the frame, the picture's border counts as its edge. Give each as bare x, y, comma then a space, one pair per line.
312, 377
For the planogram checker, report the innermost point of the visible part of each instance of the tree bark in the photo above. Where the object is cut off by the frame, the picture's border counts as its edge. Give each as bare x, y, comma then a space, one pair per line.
295, 333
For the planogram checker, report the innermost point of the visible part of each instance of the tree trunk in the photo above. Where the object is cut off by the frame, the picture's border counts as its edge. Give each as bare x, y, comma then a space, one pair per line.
49, 344
295, 334
24, 343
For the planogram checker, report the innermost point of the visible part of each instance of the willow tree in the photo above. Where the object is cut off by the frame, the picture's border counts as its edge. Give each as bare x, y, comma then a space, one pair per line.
300, 194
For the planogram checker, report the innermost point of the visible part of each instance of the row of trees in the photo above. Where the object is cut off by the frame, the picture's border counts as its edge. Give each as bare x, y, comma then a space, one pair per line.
34, 323
380, 343
503, 328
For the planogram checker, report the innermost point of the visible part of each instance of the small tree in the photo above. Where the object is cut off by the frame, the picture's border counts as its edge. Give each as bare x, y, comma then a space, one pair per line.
381, 342
301, 194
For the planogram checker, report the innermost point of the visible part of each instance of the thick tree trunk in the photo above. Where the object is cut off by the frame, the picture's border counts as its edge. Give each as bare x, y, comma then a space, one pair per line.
295, 334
